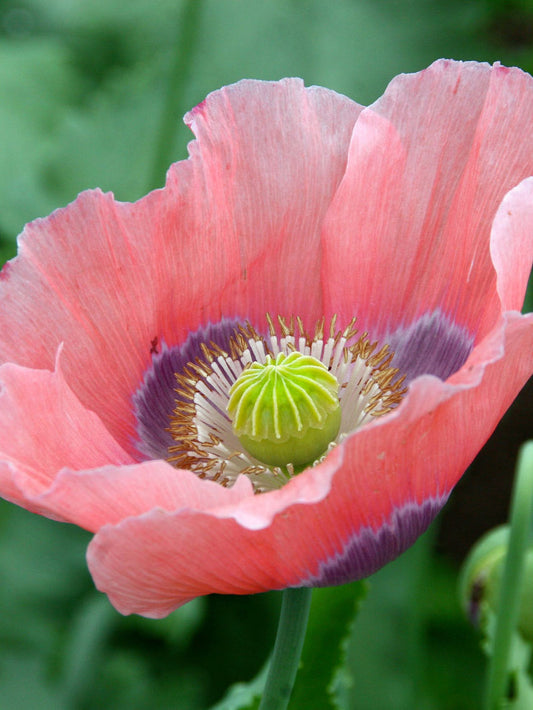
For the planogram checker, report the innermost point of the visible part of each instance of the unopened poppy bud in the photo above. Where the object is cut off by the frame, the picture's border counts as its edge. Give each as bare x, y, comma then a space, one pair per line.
475, 580
525, 614
285, 411
481, 580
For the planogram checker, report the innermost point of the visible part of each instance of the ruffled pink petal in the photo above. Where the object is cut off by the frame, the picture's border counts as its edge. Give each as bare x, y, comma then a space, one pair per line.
107, 495
44, 428
326, 523
57, 459
430, 162
511, 245
85, 277
230, 234
429, 166
268, 158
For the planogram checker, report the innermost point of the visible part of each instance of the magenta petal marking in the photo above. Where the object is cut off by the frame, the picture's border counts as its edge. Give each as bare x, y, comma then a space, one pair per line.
368, 550
432, 345
155, 400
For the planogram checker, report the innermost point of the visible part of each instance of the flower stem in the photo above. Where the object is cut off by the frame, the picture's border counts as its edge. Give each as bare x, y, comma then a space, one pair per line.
292, 626
183, 59
513, 574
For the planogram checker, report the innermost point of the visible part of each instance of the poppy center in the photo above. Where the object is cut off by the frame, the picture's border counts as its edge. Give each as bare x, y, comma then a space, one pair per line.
268, 407
285, 410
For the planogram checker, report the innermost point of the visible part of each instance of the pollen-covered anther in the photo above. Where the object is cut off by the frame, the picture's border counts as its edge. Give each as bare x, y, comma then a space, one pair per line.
286, 410
269, 406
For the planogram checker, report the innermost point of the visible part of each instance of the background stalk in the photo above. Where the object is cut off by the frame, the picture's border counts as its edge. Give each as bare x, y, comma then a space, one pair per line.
513, 575
179, 72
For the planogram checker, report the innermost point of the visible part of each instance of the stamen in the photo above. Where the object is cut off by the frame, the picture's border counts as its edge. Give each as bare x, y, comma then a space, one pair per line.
205, 439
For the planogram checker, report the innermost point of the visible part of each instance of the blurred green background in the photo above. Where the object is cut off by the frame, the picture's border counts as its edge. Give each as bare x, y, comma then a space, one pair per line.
84, 102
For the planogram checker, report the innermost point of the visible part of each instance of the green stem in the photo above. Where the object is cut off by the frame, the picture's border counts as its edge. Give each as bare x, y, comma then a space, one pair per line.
292, 626
183, 59
513, 574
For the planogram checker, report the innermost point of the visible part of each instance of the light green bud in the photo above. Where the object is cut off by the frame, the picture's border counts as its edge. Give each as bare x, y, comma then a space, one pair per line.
481, 578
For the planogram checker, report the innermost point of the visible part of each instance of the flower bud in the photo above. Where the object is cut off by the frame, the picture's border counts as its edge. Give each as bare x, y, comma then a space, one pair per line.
481, 578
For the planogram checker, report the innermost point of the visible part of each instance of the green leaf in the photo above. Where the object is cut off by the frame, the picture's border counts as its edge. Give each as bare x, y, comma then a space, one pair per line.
523, 692
411, 646
245, 696
321, 667
321, 672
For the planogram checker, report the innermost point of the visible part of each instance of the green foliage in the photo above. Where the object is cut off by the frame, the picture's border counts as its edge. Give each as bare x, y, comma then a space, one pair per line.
80, 653
411, 647
519, 682
36, 85
244, 696
409, 641
323, 674
82, 85
320, 674
498, 577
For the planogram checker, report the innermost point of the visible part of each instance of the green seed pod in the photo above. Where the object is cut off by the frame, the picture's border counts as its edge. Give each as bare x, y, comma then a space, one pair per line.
287, 410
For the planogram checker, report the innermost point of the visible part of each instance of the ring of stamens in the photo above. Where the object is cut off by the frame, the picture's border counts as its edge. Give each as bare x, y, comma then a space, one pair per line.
202, 429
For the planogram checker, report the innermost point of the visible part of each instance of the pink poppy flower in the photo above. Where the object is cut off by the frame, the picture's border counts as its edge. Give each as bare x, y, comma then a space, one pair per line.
415, 216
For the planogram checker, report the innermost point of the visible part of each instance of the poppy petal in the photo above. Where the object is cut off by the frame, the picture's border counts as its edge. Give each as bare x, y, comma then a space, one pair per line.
44, 428
111, 280
512, 245
340, 520
408, 231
